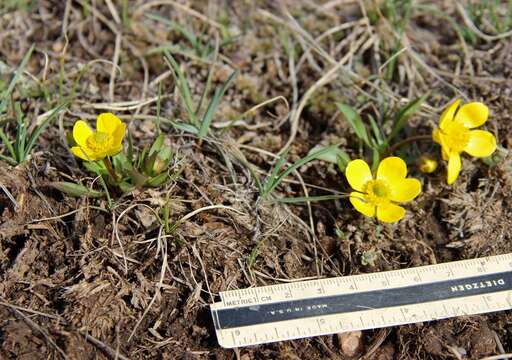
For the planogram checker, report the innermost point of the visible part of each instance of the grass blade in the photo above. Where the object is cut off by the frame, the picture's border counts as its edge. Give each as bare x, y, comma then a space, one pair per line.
273, 175
183, 86
333, 156
191, 38
214, 103
355, 121
21, 134
6, 95
305, 199
377, 133
297, 165
38, 130
8, 144
404, 114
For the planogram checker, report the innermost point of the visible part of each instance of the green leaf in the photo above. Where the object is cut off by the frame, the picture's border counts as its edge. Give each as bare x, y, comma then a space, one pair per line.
185, 127
404, 114
130, 147
214, 103
334, 155
296, 200
121, 163
8, 144
157, 144
96, 167
355, 121
75, 190
165, 154
126, 187
275, 171
39, 129
297, 165
157, 180
6, 94
183, 86
377, 133
21, 134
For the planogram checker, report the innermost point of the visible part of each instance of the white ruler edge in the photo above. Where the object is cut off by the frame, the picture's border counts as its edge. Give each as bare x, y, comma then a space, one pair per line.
362, 320
364, 282
254, 334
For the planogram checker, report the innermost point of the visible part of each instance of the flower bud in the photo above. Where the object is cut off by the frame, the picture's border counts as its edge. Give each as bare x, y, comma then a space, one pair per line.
159, 165
427, 164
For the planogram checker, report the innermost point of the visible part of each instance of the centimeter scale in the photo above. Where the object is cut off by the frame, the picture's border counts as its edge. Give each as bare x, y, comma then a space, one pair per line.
327, 306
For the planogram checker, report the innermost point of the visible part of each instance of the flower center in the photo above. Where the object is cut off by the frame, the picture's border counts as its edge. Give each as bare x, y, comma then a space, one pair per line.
457, 136
99, 142
377, 191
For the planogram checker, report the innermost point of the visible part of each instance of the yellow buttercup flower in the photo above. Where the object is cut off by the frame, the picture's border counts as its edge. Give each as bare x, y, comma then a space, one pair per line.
105, 141
378, 196
455, 135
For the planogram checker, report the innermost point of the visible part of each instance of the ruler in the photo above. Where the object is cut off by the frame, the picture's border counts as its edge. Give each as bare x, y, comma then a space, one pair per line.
327, 306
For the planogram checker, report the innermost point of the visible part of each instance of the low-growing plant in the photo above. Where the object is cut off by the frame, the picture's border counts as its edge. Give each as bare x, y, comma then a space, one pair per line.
26, 135
198, 121
121, 170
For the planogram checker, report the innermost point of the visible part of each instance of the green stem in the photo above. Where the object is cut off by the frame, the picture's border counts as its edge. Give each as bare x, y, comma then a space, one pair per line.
407, 141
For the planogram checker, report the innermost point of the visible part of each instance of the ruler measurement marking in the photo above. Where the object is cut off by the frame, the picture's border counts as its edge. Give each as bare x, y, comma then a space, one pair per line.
324, 306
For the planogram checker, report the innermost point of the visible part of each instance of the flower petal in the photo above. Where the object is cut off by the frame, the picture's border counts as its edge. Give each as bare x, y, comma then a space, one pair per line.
81, 131
82, 153
454, 166
118, 134
392, 170
481, 143
360, 203
472, 115
389, 212
448, 114
114, 150
358, 174
107, 123
405, 190
438, 137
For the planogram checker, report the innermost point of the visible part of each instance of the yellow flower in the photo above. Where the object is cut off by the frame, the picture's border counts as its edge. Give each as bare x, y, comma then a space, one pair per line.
455, 135
105, 141
379, 196
427, 164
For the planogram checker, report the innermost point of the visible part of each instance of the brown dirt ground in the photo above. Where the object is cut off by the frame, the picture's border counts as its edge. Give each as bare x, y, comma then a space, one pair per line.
76, 280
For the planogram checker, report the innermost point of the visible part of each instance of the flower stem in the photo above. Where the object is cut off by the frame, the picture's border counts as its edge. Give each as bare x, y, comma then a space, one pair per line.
110, 169
399, 144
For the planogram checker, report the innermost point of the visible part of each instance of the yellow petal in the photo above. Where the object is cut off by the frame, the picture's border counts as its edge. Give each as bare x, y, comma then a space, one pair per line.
107, 123
389, 212
114, 150
392, 170
81, 131
82, 153
358, 174
405, 190
118, 134
472, 115
448, 114
454, 166
360, 203
481, 143
438, 137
